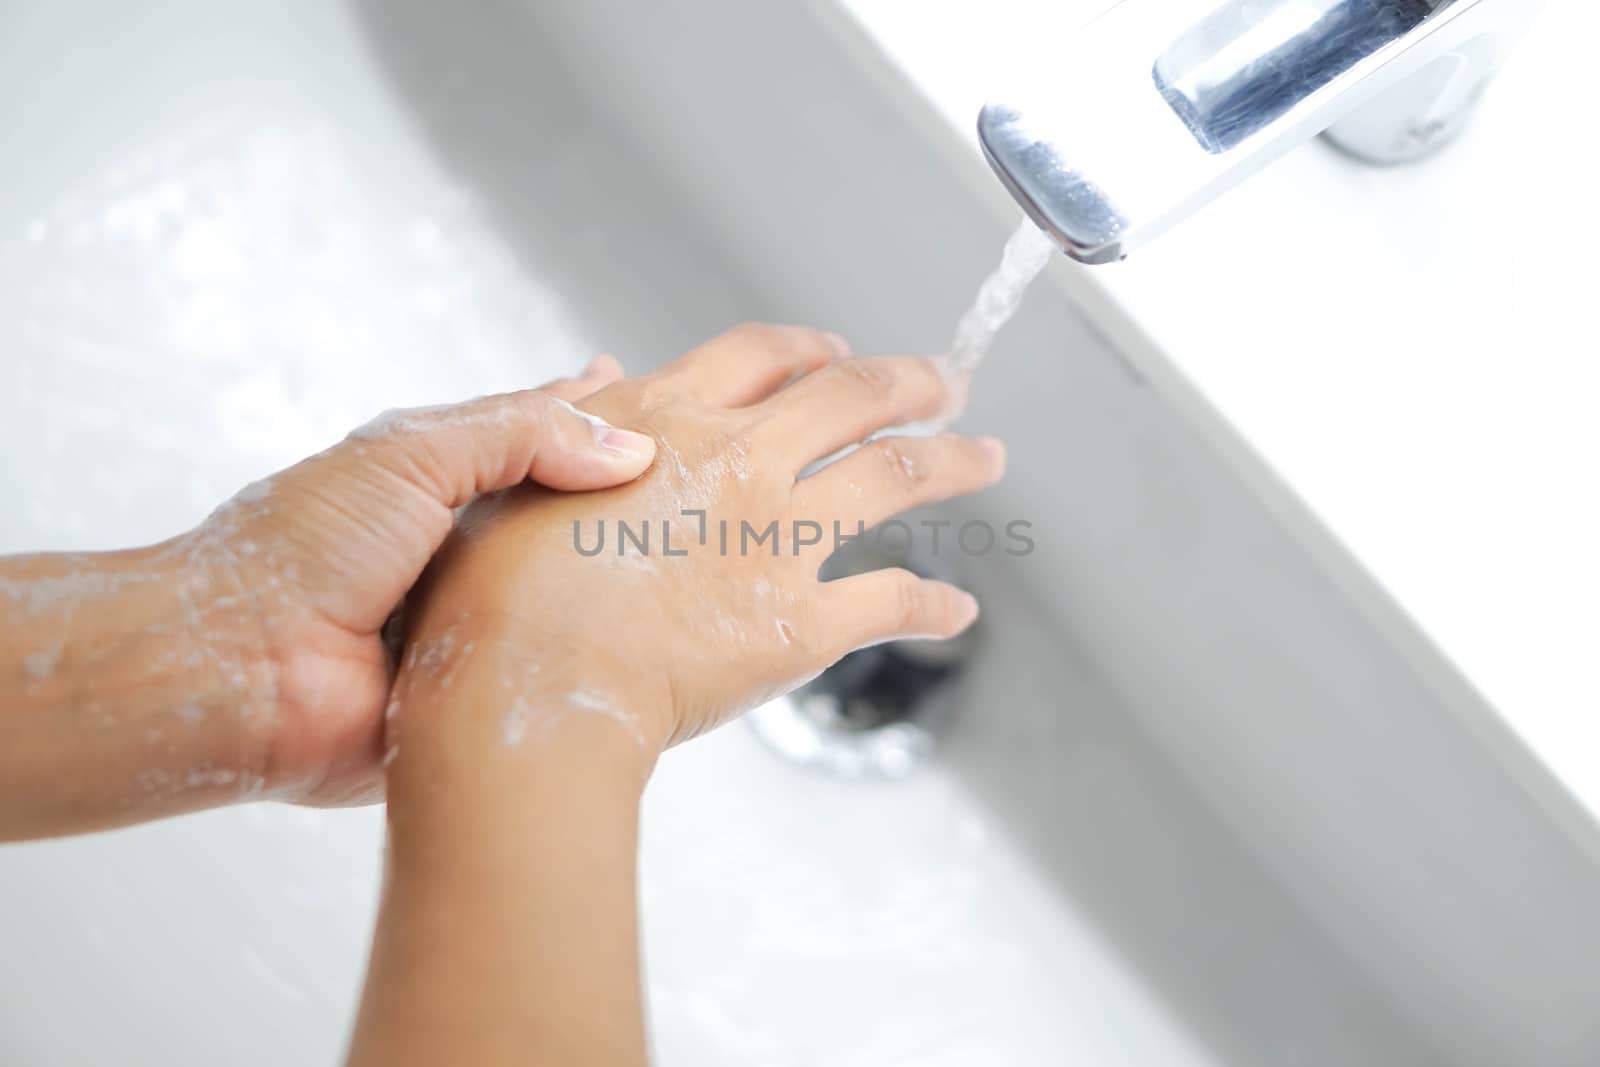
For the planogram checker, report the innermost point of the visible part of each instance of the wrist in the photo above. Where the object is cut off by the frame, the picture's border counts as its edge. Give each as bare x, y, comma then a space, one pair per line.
527, 676
511, 861
490, 727
137, 672
235, 672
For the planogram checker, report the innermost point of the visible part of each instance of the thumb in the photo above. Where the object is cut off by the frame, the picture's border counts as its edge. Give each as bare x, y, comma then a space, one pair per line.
455, 452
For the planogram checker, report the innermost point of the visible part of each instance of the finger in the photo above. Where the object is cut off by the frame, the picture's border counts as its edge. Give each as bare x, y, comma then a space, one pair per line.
454, 453
848, 402
601, 372
893, 605
751, 362
894, 474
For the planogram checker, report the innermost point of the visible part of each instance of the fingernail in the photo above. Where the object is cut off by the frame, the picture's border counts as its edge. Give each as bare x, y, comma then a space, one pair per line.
969, 610
841, 347
624, 443
596, 423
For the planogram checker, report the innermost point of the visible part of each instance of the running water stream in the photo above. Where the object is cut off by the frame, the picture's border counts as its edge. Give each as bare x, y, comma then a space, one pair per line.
1027, 253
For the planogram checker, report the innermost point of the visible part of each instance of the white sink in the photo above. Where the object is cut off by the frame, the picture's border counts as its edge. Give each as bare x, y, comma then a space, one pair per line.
1196, 809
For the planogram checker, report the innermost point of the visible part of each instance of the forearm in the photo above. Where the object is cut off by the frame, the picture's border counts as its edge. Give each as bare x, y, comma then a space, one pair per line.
127, 682
509, 931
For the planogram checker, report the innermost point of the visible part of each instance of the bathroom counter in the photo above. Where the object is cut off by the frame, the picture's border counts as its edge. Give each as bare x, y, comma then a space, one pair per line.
1402, 358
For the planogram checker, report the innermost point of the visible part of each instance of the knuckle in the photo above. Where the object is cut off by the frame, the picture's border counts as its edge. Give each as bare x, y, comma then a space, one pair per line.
564, 388
903, 466
755, 334
872, 380
544, 410
532, 401
932, 378
911, 602
651, 394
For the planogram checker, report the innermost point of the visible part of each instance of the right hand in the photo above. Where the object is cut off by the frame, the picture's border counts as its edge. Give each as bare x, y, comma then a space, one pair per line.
316, 559
670, 646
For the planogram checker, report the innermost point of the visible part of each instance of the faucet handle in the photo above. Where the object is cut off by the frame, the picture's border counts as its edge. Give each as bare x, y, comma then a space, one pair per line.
1424, 112
1157, 114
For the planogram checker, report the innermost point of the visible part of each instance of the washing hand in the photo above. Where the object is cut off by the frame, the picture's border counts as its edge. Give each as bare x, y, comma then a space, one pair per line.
342, 537
244, 658
552, 656
674, 602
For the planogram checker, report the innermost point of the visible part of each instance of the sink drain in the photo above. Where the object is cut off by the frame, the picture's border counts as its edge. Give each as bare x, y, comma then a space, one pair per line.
878, 712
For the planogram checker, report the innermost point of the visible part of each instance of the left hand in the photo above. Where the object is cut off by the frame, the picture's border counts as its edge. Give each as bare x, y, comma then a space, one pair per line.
718, 612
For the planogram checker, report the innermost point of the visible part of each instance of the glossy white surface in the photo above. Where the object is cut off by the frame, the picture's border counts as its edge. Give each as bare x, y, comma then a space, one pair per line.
1196, 809
1409, 350
242, 232
1347, 756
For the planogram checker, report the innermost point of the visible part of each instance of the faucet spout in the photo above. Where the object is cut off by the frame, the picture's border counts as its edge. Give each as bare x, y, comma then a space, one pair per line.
1156, 113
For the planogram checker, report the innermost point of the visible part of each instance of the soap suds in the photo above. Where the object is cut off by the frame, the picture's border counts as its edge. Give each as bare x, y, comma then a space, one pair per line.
391, 728
531, 715
157, 783
596, 423
201, 779
696, 484
439, 658
433, 418
152, 780
253, 493
768, 599
41, 665
596, 703
514, 724
38, 596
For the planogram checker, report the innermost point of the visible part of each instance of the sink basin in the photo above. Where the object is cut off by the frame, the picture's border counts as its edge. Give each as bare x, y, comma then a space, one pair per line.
1194, 807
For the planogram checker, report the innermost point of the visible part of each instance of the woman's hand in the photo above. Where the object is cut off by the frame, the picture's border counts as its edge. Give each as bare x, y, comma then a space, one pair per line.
245, 658
539, 682
681, 599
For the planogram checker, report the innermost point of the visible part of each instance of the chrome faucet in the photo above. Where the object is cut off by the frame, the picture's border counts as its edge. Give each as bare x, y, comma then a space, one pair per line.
1151, 113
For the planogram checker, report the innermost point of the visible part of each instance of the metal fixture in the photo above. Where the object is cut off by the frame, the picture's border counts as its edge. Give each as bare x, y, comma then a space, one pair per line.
1150, 114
